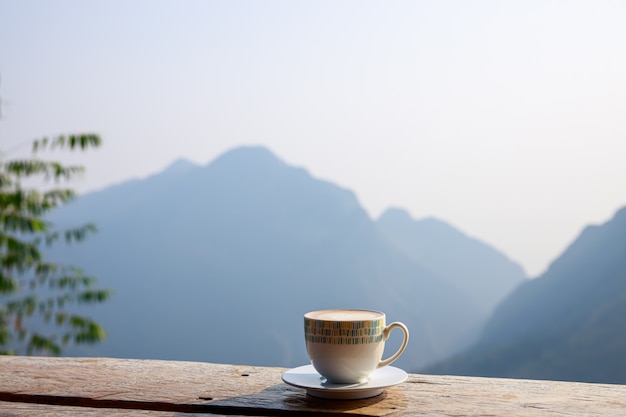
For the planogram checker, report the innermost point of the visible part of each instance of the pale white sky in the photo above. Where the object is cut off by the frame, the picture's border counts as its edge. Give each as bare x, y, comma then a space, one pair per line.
505, 118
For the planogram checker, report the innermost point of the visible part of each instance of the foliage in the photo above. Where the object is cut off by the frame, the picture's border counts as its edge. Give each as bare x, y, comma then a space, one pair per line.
36, 296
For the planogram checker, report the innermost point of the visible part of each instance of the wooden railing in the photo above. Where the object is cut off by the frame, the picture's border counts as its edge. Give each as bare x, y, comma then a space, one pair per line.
34, 386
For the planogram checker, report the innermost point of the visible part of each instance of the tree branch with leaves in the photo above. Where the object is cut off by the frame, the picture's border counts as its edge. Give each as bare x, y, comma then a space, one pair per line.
35, 295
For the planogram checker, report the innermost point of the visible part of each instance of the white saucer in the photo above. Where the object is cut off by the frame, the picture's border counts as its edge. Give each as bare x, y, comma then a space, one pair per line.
307, 377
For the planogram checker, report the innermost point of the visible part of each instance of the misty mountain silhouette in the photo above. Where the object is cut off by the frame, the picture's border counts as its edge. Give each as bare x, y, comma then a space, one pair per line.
485, 275
568, 324
219, 263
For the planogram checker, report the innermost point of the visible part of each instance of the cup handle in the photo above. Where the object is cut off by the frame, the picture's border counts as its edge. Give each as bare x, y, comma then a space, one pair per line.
386, 334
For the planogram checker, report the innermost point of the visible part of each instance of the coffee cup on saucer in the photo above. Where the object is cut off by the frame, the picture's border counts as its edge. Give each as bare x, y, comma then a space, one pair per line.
346, 346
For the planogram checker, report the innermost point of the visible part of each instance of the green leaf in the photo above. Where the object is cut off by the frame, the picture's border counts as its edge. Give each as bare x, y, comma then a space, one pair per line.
39, 343
8, 284
60, 318
81, 141
91, 333
98, 296
23, 271
78, 234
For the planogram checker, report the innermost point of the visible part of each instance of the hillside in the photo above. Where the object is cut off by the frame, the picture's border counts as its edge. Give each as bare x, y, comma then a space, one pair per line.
567, 324
486, 275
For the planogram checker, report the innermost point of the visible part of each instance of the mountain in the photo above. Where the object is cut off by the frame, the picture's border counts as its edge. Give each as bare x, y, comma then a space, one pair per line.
481, 272
568, 324
219, 263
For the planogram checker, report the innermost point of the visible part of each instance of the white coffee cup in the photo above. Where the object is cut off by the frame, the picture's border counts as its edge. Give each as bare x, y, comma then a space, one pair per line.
346, 346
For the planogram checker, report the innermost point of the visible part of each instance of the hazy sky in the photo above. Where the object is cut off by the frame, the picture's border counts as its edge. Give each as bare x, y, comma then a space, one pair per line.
506, 119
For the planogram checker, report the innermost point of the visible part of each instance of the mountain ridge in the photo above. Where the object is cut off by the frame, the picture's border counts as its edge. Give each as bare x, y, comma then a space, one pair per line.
246, 236
454, 256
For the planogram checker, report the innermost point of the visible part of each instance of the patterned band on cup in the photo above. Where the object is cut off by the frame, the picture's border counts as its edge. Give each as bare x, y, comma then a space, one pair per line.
344, 340
344, 332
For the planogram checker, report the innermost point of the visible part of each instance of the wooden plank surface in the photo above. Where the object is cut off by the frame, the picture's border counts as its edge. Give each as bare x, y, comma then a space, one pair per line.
16, 409
77, 386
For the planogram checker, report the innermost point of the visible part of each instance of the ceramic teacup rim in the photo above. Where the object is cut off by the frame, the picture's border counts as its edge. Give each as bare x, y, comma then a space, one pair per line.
381, 315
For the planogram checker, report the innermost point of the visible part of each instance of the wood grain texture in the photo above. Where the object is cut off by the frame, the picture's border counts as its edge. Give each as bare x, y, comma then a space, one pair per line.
13, 409
86, 386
